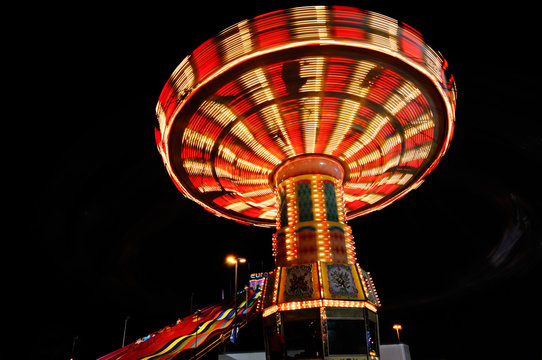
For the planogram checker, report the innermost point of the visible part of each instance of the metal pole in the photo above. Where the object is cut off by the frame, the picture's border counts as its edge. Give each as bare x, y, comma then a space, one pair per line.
235, 294
235, 302
125, 324
398, 327
246, 302
73, 346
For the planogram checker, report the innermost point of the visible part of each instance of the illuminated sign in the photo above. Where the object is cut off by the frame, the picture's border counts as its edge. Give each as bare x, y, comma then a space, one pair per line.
261, 275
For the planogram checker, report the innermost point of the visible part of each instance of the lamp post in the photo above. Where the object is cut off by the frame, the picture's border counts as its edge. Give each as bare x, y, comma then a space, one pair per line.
398, 327
235, 260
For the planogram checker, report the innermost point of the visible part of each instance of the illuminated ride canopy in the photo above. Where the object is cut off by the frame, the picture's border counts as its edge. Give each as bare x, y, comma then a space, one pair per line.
353, 85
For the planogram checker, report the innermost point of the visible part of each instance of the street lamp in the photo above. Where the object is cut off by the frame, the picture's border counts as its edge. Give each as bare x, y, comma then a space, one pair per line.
398, 327
235, 260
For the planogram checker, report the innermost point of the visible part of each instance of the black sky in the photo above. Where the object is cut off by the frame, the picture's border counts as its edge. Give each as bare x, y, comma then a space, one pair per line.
105, 233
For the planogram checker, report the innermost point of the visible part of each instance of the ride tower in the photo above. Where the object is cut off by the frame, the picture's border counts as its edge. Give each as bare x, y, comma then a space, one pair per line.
302, 119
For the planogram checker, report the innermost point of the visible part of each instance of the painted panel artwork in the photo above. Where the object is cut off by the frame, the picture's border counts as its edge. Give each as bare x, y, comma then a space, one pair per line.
342, 283
299, 283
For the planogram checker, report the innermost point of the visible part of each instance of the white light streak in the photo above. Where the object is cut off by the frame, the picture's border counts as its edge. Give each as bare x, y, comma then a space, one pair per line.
220, 113
238, 206
371, 198
197, 168
349, 108
239, 43
197, 140
377, 123
312, 69
405, 94
388, 26
310, 22
244, 134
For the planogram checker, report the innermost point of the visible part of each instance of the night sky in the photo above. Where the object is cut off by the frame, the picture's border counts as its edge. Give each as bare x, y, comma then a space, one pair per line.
103, 233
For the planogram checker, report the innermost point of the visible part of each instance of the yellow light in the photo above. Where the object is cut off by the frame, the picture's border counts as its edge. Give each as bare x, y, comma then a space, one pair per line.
231, 259
294, 305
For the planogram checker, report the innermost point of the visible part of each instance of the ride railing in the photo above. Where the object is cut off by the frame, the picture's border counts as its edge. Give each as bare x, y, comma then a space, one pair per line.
194, 335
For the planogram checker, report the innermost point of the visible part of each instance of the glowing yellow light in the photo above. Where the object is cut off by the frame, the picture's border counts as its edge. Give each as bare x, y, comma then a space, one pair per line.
231, 259
295, 305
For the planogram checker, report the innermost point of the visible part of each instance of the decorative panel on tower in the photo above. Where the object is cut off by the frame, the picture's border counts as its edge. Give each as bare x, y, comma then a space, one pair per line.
341, 281
299, 283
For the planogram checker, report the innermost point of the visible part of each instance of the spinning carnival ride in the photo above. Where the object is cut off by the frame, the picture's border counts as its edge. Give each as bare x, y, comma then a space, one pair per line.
302, 119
